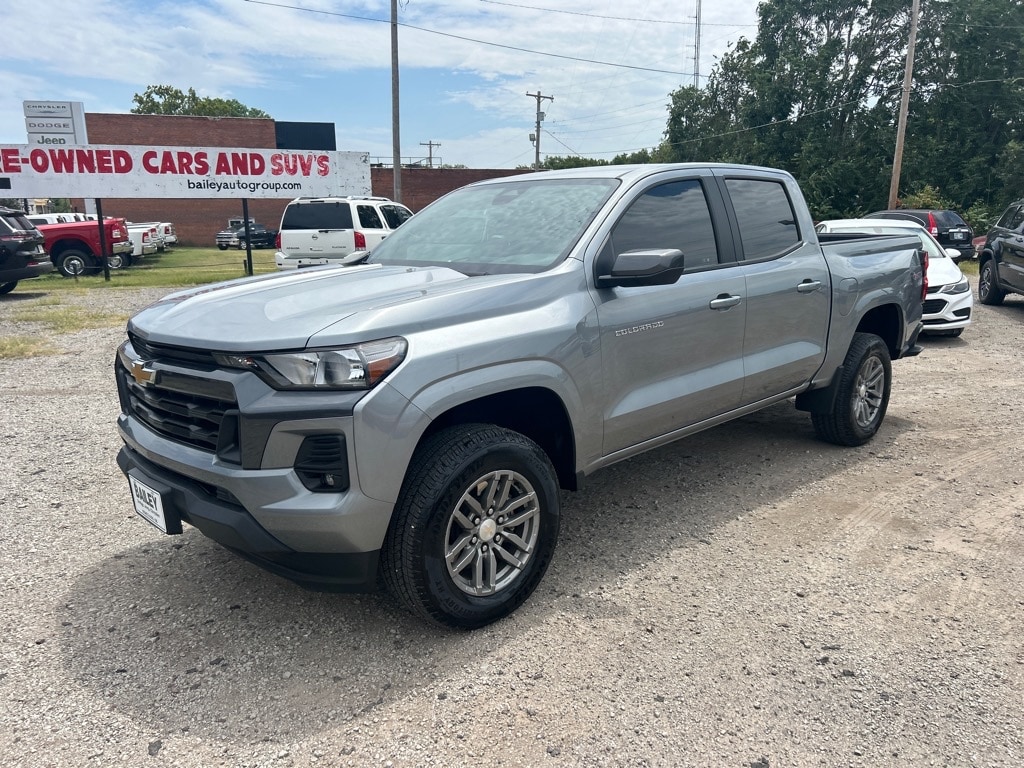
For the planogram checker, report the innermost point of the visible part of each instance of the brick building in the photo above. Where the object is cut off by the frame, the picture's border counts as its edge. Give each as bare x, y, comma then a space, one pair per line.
197, 220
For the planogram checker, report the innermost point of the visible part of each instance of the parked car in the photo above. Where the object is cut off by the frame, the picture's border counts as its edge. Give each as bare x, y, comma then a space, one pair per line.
1001, 261
235, 236
144, 240
22, 254
947, 227
74, 247
949, 303
325, 230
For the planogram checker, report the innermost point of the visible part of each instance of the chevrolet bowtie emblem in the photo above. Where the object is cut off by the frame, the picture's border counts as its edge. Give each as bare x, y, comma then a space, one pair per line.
143, 375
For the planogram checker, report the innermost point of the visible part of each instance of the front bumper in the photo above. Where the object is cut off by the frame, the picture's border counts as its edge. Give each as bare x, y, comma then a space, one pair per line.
225, 451
233, 527
947, 312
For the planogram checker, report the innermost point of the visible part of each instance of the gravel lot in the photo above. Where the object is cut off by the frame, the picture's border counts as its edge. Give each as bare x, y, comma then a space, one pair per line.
747, 597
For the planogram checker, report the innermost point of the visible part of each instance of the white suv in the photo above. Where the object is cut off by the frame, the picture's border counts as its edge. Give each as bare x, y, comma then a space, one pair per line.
324, 230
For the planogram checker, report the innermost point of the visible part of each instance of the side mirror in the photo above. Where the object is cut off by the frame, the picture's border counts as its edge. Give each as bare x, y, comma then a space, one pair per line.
953, 253
640, 268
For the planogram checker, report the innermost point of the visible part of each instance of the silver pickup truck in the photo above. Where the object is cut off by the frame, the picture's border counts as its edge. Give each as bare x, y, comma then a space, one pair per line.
409, 419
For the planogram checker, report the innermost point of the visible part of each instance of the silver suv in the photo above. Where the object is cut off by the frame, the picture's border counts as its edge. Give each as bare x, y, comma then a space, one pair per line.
325, 230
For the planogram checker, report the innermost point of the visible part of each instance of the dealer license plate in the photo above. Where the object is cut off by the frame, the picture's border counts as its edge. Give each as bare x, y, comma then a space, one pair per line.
148, 503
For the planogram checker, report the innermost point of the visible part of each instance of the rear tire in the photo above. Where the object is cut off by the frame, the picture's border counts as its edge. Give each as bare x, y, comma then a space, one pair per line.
862, 395
474, 528
989, 291
119, 261
7, 287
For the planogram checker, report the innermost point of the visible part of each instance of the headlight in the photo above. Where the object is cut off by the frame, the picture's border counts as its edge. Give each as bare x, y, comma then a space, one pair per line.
962, 287
360, 366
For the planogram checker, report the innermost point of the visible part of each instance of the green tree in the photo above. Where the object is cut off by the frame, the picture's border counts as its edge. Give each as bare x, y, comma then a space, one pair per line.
168, 100
817, 92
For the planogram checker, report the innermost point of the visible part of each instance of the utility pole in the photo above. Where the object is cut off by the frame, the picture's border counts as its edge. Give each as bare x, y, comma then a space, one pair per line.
430, 151
396, 140
901, 126
696, 51
535, 138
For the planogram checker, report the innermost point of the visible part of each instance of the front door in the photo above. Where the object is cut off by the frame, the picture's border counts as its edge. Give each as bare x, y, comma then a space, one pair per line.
672, 355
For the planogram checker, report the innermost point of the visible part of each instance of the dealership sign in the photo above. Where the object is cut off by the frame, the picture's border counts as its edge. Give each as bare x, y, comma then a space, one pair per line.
56, 123
46, 169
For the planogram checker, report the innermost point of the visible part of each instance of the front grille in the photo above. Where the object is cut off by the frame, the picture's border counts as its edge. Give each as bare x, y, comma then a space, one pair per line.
934, 306
183, 408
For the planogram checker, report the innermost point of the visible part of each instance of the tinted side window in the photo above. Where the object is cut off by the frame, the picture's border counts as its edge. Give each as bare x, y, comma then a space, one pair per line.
1016, 219
673, 215
317, 216
766, 218
368, 217
395, 215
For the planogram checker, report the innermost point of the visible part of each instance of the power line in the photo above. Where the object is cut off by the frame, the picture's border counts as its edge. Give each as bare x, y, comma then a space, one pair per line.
469, 39
610, 18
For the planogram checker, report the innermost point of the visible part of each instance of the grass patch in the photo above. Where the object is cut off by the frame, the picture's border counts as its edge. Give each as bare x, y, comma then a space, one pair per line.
24, 346
175, 268
65, 319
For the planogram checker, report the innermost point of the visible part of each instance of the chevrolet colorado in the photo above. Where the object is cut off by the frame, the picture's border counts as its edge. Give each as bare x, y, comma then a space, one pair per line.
409, 419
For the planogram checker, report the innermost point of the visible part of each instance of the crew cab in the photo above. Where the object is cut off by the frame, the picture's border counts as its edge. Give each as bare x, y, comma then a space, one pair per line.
411, 417
74, 247
236, 237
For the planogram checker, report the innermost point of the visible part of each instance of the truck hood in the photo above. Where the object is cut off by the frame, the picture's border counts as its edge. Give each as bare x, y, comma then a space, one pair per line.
295, 310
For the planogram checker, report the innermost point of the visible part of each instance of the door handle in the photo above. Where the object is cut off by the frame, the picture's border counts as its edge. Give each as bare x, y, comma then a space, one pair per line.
808, 285
724, 301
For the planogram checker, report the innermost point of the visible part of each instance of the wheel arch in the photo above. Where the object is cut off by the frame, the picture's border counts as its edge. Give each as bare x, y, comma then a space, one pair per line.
71, 244
536, 412
886, 322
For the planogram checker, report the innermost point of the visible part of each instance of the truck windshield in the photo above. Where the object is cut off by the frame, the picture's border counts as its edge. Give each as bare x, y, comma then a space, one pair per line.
514, 226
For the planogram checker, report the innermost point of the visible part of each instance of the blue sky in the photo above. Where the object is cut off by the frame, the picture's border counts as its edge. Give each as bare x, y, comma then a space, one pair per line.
465, 66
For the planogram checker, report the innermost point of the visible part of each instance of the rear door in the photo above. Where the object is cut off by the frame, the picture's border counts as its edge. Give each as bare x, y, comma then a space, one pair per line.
787, 287
671, 354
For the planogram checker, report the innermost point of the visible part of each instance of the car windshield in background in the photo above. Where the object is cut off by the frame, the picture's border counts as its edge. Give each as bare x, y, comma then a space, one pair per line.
514, 226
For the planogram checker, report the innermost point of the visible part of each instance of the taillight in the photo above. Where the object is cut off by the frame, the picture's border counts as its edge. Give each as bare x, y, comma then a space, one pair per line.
932, 226
924, 274
277, 241
360, 241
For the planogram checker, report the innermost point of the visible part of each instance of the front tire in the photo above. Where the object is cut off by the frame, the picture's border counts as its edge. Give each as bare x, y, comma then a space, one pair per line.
474, 528
73, 263
862, 394
989, 291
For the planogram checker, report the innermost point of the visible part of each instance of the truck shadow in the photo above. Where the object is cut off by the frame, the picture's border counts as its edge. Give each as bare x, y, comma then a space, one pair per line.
187, 639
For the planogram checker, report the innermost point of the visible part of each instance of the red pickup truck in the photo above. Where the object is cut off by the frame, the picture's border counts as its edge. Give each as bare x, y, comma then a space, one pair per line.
74, 247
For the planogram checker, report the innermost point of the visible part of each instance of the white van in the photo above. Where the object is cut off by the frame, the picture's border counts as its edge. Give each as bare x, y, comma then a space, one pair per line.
324, 230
